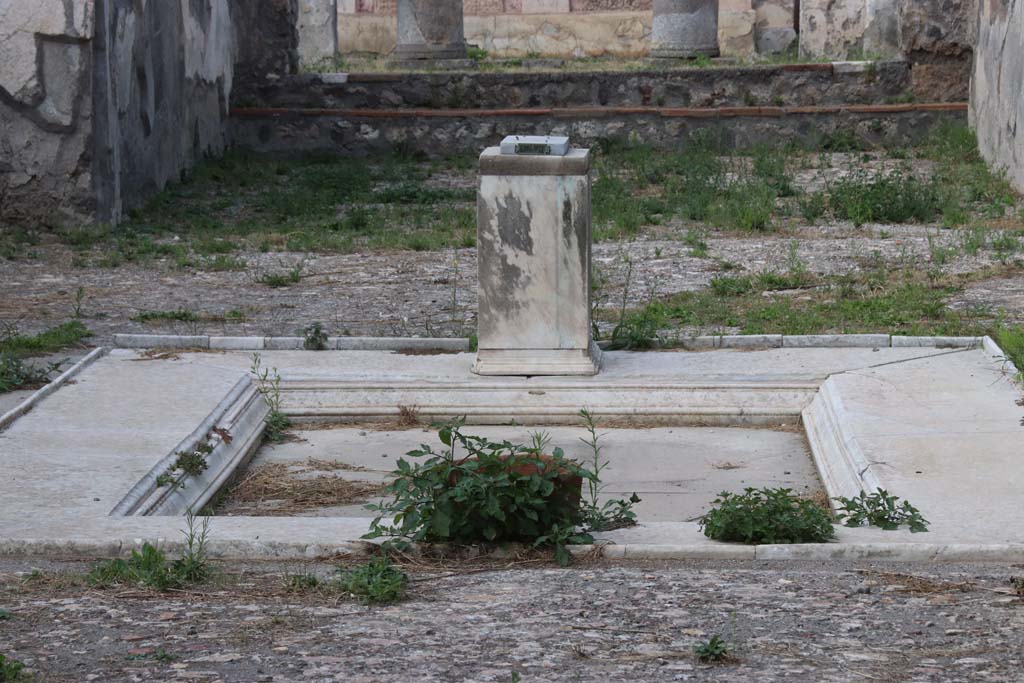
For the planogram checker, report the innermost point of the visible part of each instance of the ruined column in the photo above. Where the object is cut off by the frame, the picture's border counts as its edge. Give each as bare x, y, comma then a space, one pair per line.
533, 242
685, 28
430, 29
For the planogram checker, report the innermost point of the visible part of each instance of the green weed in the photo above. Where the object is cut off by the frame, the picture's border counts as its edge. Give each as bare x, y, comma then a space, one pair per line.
883, 197
1011, 341
16, 374
612, 514
377, 582
746, 205
277, 280
713, 650
766, 516
150, 568
880, 509
315, 339
276, 423
11, 670
49, 341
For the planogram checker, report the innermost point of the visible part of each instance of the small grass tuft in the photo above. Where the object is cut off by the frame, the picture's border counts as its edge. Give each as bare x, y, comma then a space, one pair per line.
49, 341
712, 650
377, 582
11, 670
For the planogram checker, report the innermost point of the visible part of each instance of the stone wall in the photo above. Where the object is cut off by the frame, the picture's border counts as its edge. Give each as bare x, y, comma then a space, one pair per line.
440, 133
443, 113
783, 85
45, 110
997, 89
937, 37
104, 102
163, 78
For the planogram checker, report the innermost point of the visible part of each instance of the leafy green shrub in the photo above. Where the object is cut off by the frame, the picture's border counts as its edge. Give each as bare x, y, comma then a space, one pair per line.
16, 374
880, 509
766, 516
376, 582
11, 670
713, 650
497, 491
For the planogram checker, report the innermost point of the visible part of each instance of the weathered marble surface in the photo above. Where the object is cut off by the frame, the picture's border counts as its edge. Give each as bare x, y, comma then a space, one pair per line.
849, 29
534, 264
685, 28
997, 88
430, 29
318, 30
736, 28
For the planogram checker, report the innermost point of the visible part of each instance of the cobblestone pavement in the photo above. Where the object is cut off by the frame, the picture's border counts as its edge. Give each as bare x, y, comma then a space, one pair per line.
434, 293
533, 622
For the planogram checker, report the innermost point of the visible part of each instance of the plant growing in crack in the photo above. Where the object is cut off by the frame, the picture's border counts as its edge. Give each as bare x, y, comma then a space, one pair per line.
269, 382
315, 339
880, 509
189, 463
613, 514
713, 650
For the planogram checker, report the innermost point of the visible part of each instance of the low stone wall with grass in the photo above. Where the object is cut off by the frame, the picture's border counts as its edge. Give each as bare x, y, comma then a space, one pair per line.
997, 89
762, 86
439, 133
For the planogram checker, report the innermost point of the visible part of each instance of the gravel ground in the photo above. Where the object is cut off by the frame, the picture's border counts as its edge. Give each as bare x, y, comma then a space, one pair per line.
412, 293
592, 622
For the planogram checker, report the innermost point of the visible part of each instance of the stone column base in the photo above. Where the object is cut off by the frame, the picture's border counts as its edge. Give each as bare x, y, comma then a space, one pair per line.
528, 362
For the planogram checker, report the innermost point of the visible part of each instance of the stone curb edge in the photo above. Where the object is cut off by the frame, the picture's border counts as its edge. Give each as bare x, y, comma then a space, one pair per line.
989, 345
8, 418
460, 345
237, 550
170, 341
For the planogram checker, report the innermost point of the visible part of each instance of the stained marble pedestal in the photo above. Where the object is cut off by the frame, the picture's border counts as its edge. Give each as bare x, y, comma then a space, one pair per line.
533, 241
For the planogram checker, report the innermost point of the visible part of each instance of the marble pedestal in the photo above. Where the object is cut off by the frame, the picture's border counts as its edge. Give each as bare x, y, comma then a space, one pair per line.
533, 223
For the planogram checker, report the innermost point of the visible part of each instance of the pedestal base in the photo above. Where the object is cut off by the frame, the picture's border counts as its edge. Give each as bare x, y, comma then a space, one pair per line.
684, 53
529, 362
411, 52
